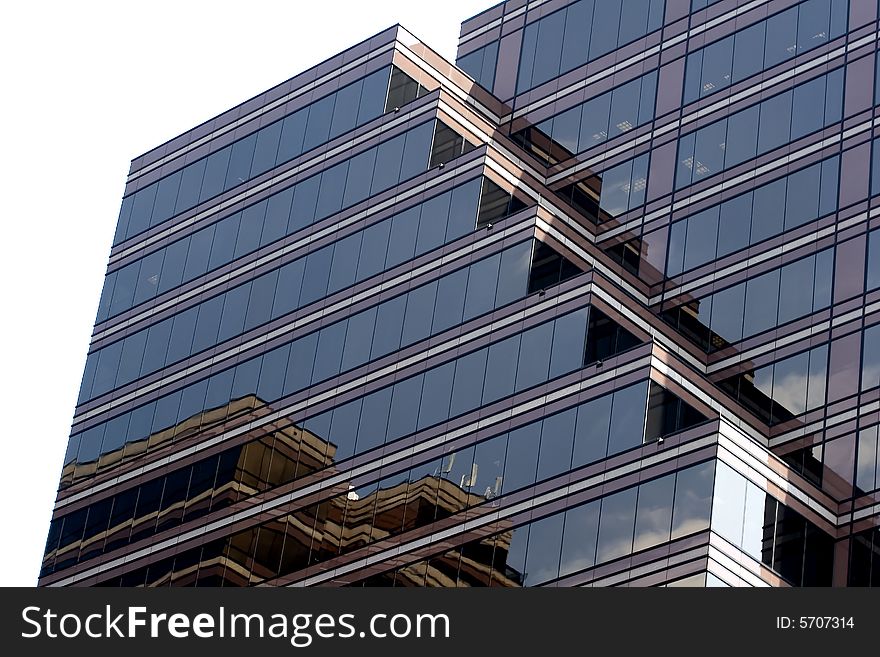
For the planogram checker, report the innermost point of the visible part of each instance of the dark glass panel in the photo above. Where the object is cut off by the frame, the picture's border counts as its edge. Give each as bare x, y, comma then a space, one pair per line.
781, 41
215, 174
266, 148
748, 55
242, 155
405, 407
520, 468
761, 301
389, 325
389, 158
432, 223
693, 499
776, 118
293, 129
447, 145
287, 291
569, 335
403, 90
557, 438
628, 418
328, 357
605, 27
436, 395
402, 242
234, 312
534, 356
742, 137
317, 275
501, 369
482, 282
467, 388
359, 180
374, 246
591, 433
449, 308
545, 542
359, 338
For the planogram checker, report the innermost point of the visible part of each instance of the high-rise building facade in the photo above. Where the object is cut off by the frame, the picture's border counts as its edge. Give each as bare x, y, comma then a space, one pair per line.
599, 306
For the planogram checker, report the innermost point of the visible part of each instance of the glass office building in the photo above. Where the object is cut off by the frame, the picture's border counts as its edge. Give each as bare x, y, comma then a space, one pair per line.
597, 306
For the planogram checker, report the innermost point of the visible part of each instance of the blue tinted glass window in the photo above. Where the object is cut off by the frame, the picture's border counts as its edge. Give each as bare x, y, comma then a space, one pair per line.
557, 440
534, 355
359, 338
591, 431
436, 395
549, 52
781, 43
266, 148
627, 418
579, 538
318, 126
616, 525
215, 173
345, 262
482, 282
748, 57
467, 388
605, 29
317, 275
328, 357
240, 160
419, 313
742, 137
521, 465
293, 130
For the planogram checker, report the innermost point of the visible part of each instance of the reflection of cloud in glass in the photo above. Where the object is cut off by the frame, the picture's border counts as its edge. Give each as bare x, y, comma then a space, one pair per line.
653, 528
790, 391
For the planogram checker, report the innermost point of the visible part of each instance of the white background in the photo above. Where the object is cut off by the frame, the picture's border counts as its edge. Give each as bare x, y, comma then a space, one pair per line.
86, 87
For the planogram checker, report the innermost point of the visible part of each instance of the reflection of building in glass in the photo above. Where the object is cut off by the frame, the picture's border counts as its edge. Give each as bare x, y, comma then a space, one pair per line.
603, 317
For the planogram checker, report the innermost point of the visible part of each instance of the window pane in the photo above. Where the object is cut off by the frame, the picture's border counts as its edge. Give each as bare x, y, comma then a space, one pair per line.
748, 57
482, 280
781, 37
520, 468
742, 137
702, 237
501, 368
693, 499
734, 224
579, 538
534, 356
557, 435
545, 539
762, 298
654, 513
616, 523
768, 210
796, 290
628, 418
419, 313
775, 122
468, 387
436, 395
591, 433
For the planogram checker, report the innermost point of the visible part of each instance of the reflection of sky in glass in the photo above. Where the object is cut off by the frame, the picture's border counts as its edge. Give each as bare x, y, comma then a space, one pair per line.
790, 383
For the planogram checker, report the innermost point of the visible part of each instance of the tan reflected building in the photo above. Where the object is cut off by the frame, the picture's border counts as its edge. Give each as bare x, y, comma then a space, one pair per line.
594, 306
